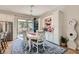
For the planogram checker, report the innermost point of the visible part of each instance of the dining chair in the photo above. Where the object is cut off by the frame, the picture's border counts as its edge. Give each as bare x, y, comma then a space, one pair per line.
25, 39
5, 39
0, 47
40, 39
2, 42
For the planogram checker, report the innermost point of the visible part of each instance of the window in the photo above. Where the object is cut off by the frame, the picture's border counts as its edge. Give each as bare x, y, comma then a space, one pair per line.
25, 25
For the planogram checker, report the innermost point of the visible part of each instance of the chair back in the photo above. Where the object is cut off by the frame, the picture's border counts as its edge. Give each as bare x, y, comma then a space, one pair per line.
5, 34
2, 35
25, 37
40, 34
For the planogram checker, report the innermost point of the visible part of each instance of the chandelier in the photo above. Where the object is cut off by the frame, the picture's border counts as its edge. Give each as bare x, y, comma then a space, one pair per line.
31, 10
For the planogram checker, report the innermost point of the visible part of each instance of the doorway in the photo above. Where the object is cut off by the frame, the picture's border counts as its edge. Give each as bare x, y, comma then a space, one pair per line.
10, 30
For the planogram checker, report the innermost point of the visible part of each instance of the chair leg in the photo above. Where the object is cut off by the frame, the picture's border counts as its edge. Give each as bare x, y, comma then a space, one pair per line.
6, 42
29, 45
43, 46
0, 50
2, 47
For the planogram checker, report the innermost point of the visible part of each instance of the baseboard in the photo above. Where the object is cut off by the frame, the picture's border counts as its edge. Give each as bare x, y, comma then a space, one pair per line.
73, 49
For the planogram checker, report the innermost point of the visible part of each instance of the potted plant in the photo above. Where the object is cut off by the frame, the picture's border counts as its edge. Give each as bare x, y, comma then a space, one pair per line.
63, 41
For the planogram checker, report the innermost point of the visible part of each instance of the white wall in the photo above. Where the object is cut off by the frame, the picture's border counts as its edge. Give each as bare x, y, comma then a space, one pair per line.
56, 27
71, 12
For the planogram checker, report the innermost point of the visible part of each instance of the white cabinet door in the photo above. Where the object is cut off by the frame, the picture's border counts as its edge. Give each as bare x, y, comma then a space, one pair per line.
49, 36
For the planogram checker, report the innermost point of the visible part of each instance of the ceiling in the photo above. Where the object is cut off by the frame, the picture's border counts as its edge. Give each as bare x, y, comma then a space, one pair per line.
25, 9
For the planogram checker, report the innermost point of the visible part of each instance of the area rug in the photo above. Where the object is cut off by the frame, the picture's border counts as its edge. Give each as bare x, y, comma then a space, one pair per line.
50, 48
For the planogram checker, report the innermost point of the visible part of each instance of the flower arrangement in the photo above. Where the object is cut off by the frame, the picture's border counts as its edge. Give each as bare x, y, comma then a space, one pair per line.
63, 41
48, 26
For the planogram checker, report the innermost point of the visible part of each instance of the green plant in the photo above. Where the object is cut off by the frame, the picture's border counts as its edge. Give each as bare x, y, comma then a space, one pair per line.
64, 40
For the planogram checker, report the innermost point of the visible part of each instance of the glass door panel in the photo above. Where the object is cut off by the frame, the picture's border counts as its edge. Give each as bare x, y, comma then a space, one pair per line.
25, 25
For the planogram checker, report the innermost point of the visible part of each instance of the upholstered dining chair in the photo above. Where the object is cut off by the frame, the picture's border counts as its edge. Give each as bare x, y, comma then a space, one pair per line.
25, 39
2, 42
0, 46
40, 39
5, 38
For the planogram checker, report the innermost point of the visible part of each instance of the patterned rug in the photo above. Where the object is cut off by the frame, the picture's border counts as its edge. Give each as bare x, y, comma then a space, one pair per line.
49, 48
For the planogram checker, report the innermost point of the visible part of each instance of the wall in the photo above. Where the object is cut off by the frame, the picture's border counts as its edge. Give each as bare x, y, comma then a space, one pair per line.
71, 12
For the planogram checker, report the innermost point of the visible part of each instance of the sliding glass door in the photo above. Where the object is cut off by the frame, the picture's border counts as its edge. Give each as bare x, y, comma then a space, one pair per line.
30, 25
